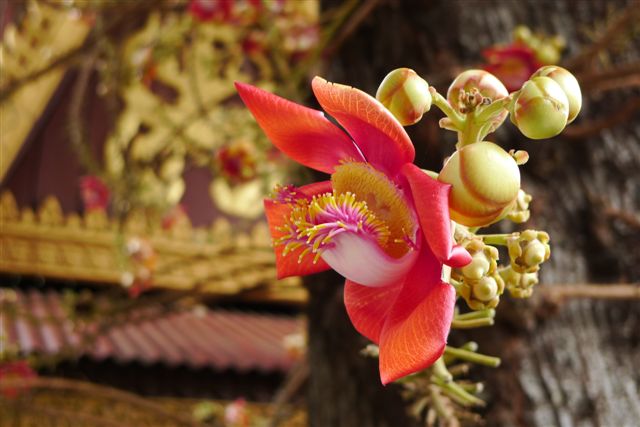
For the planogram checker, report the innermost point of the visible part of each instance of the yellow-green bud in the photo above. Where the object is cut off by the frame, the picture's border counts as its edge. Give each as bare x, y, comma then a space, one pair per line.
520, 285
541, 108
480, 82
569, 85
486, 289
485, 181
405, 94
520, 212
527, 250
522, 34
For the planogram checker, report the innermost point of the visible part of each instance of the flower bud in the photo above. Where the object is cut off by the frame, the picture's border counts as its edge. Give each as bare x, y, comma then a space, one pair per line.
520, 285
520, 212
405, 94
471, 83
569, 85
541, 108
482, 293
481, 286
527, 250
483, 261
485, 181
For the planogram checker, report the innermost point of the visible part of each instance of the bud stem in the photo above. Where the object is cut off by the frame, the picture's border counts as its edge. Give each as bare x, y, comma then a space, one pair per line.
470, 356
439, 101
495, 239
440, 371
458, 394
479, 314
473, 323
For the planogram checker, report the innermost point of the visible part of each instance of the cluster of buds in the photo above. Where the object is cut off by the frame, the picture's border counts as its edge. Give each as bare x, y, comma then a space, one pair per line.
527, 250
485, 188
547, 102
480, 283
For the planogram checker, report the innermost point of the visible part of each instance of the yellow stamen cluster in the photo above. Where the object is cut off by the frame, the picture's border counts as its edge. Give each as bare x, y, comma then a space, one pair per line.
314, 223
383, 198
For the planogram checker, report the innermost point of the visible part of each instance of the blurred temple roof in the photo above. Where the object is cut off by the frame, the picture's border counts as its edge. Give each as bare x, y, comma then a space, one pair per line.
36, 322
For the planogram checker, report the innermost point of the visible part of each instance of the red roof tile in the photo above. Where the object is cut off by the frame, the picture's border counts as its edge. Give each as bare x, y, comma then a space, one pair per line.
35, 322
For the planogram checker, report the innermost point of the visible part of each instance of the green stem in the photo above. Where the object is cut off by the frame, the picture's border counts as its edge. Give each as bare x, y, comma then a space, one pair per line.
495, 239
492, 110
470, 133
440, 371
471, 324
440, 102
458, 394
470, 356
479, 314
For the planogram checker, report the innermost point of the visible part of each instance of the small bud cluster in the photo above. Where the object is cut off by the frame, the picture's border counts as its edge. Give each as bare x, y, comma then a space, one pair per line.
520, 212
481, 285
527, 250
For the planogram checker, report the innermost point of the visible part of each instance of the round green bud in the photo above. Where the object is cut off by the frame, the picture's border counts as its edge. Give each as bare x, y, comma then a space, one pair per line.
477, 268
569, 85
405, 94
485, 181
485, 289
541, 108
470, 81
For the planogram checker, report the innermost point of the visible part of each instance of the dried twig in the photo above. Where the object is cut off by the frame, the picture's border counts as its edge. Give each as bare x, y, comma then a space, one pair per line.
593, 127
559, 293
616, 27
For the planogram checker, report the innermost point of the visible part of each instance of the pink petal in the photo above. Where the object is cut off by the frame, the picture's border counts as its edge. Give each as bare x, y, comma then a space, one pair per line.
277, 214
415, 331
367, 307
359, 258
431, 199
301, 133
380, 137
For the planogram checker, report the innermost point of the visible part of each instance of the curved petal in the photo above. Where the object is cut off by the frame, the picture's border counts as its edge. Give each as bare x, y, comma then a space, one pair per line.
301, 133
415, 331
288, 265
367, 307
359, 258
431, 198
380, 137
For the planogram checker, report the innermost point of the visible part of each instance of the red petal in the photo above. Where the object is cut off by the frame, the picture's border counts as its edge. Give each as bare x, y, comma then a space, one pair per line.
368, 307
301, 133
431, 198
288, 265
380, 137
415, 332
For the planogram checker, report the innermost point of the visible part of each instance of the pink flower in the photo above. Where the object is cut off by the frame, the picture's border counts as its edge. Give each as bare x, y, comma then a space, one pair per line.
380, 221
95, 193
209, 10
235, 413
512, 64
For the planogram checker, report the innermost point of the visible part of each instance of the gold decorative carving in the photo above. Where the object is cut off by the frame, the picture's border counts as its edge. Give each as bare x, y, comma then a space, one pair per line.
210, 260
46, 34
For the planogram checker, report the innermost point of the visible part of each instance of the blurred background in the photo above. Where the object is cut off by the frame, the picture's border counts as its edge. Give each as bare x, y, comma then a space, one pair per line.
137, 279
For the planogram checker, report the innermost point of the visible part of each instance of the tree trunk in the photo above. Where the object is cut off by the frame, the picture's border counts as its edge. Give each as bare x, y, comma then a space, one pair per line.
577, 363
344, 387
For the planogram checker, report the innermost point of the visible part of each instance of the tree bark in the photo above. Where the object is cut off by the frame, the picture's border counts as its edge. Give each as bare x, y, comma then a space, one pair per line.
573, 364
344, 386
